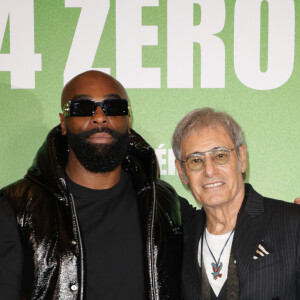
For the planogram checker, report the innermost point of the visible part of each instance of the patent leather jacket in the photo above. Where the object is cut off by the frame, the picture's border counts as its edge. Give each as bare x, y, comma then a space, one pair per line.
54, 259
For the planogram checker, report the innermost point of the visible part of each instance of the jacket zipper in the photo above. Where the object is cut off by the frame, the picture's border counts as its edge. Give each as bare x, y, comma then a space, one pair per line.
72, 203
152, 246
80, 247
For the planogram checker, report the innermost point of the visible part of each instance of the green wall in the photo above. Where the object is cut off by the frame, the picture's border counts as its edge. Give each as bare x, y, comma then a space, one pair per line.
172, 56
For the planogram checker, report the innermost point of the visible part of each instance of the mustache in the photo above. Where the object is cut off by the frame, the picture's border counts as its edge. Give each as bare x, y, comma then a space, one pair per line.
92, 131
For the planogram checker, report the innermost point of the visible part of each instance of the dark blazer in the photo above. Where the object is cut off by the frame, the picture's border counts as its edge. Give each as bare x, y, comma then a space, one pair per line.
262, 221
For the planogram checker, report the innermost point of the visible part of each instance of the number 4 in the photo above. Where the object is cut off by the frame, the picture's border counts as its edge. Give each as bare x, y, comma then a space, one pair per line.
22, 62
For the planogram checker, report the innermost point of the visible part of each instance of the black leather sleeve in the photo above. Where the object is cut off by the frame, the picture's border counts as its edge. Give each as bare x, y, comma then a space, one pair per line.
11, 253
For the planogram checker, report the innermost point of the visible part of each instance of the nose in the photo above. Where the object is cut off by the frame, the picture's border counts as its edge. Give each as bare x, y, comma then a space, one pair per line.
99, 117
209, 168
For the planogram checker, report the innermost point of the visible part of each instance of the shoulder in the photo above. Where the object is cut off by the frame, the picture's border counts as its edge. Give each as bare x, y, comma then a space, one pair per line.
278, 209
162, 185
14, 190
21, 192
282, 209
167, 205
8, 223
165, 189
188, 212
166, 195
6, 212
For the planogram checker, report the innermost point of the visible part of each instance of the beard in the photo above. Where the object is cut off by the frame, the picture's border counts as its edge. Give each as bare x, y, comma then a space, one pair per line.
99, 158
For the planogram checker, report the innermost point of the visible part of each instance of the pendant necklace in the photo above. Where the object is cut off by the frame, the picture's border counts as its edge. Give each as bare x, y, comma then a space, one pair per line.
217, 265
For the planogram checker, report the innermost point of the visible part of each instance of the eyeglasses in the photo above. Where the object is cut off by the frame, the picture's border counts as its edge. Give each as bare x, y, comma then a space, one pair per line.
220, 156
87, 107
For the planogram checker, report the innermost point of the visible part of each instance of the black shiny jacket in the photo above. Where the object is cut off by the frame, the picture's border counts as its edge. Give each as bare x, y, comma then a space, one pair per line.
54, 259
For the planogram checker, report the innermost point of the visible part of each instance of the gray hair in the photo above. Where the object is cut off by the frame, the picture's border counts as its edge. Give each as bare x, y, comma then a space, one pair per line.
206, 117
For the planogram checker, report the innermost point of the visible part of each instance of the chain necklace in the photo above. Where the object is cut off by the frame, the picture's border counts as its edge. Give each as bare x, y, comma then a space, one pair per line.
217, 265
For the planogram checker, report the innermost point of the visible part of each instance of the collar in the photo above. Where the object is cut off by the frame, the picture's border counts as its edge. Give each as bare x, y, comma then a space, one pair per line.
50, 161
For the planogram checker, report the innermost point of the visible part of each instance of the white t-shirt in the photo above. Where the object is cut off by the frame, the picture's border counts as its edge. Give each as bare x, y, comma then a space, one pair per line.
216, 244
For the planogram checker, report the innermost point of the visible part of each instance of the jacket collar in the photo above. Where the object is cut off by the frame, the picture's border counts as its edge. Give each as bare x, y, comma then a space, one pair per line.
50, 161
253, 201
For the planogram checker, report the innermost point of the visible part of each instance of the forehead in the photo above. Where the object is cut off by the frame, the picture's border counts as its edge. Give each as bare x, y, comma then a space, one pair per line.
205, 139
97, 87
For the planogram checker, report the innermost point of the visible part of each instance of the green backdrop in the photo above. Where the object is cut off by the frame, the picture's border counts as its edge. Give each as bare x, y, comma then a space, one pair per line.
172, 56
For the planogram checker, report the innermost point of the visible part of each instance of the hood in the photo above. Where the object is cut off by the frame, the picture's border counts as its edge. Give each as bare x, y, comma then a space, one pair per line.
51, 159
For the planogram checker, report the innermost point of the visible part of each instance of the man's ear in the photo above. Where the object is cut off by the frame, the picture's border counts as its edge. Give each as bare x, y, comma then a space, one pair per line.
243, 155
63, 124
180, 171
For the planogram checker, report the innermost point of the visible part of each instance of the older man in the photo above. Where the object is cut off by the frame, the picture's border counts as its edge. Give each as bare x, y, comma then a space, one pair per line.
241, 245
91, 220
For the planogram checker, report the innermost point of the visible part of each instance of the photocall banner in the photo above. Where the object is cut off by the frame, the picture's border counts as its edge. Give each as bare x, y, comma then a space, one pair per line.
172, 56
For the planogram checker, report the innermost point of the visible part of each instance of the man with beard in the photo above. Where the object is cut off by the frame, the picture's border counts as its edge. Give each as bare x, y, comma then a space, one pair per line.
91, 220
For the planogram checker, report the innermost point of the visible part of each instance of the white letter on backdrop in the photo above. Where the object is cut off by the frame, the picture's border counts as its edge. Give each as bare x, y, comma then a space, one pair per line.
130, 37
281, 42
160, 152
22, 62
87, 36
182, 34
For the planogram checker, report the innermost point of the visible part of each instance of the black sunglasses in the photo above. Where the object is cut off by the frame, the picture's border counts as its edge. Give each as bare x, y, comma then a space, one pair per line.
87, 107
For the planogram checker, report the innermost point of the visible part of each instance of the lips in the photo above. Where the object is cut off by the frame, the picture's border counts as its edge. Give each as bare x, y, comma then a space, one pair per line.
213, 185
101, 138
